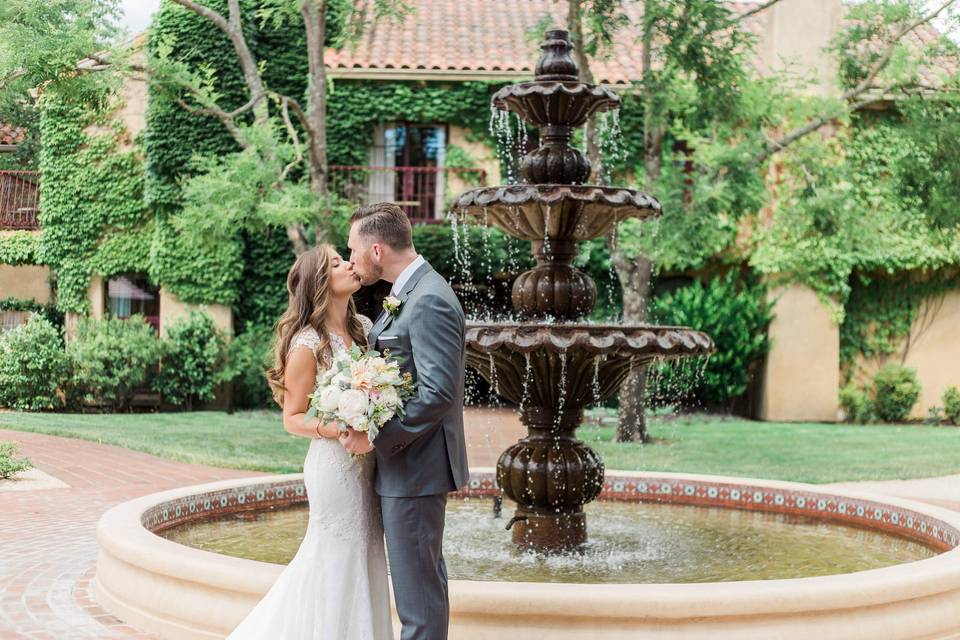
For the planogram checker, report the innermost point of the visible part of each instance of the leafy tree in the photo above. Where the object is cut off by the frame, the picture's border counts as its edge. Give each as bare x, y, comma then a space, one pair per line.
42, 43
709, 126
261, 184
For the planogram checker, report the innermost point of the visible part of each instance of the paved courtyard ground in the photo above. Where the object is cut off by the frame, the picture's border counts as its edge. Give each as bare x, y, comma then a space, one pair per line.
48, 548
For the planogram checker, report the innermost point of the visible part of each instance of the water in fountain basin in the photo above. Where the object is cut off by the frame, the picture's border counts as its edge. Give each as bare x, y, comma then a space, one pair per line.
631, 543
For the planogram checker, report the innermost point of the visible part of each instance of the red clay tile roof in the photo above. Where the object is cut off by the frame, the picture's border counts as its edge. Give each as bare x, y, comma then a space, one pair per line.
10, 134
491, 36
488, 36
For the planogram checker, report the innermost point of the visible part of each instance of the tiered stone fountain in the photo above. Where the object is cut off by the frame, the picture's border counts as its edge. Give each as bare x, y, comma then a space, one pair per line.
553, 364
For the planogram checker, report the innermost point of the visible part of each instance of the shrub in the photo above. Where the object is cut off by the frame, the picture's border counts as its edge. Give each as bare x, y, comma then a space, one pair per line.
111, 360
934, 415
248, 357
191, 357
9, 466
951, 404
32, 366
736, 314
895, 391
856, 404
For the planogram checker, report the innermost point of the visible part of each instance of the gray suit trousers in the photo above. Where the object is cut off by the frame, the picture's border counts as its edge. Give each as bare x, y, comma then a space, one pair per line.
414, 533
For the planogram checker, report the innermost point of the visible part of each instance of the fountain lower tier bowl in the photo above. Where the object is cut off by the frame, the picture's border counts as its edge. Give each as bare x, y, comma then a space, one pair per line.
571, 365
632, 582
555, 103
537, 212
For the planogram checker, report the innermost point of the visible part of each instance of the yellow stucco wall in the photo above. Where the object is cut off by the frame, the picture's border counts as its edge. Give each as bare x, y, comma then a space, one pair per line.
796, 34
801, 375
485, 156
932, 349
25, 282
171, 309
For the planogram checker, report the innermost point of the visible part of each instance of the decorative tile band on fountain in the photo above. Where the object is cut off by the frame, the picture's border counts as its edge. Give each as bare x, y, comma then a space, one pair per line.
870, 514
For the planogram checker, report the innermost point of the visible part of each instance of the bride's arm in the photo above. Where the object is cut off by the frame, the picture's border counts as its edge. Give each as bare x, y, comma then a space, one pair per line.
299, 378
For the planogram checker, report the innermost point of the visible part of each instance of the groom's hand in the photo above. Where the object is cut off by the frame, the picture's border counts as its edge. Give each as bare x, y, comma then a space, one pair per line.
355, 441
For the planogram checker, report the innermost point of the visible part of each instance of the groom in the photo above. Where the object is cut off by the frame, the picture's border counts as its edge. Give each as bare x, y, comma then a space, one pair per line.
423, 456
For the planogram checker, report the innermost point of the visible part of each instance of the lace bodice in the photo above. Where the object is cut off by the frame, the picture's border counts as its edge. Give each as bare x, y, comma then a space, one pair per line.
309, 338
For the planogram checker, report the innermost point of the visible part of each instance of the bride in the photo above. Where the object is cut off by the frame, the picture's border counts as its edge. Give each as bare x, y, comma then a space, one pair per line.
335, 588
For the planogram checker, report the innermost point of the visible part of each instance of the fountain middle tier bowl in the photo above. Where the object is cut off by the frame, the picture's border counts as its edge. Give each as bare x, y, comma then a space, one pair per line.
539, 212
571, 364
555, 103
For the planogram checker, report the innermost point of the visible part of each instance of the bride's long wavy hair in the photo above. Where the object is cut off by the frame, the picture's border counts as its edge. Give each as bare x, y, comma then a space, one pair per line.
308, 290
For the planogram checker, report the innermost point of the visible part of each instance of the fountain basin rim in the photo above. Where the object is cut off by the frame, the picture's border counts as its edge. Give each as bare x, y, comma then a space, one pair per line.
122, 535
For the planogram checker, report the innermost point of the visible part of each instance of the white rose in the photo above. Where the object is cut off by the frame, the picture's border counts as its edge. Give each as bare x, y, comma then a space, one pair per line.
352, 406
389, 397
360, 423
330, 398
342, 379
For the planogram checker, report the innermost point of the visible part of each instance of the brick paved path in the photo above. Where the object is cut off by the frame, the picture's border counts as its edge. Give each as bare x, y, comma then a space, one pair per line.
48, 548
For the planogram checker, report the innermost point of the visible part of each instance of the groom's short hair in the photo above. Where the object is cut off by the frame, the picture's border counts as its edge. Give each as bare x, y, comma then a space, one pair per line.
384, 222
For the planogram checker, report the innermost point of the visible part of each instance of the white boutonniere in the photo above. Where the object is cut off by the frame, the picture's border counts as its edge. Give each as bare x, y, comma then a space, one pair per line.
391, 305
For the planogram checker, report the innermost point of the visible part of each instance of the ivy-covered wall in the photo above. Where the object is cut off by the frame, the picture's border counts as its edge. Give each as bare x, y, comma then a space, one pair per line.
249, 270
19, 248
92, 212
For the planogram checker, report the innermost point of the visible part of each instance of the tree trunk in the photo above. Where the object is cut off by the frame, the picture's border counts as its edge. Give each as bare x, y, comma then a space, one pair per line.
575, 27
635, 280
314, 20
634, 275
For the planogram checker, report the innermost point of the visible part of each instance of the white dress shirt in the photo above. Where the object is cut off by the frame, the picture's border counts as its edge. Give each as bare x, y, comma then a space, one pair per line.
405, 275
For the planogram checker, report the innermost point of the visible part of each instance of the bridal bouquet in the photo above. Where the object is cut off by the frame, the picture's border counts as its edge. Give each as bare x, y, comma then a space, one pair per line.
361, 390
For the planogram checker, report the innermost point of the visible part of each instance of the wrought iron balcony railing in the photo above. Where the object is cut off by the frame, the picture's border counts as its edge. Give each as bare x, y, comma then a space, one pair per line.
421, 191
19, 199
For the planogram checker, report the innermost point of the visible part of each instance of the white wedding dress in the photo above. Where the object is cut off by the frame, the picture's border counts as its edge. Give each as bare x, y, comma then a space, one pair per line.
335, 588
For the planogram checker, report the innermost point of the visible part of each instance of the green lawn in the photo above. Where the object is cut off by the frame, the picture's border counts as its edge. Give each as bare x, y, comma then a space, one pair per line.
696, 444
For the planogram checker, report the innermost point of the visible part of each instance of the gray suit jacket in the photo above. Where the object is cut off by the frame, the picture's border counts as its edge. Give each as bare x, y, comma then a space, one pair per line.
425, 452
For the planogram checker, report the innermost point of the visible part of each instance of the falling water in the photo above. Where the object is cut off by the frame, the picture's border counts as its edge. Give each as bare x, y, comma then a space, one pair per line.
610, 143
494, 382
525, 394
562, 400
546, 228
487, 259
613, 272
454, 233
595, 385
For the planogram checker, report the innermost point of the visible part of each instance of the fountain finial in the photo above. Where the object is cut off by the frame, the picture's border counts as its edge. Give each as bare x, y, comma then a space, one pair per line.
557, 63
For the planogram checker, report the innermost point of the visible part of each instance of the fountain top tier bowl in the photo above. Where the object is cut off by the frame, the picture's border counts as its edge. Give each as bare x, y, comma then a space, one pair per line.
556, 97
